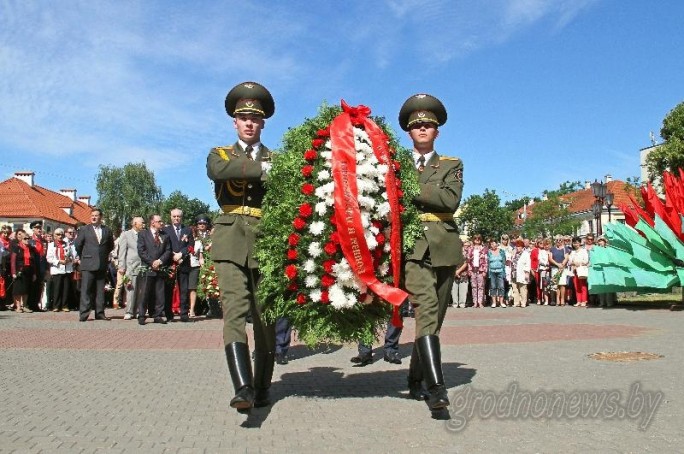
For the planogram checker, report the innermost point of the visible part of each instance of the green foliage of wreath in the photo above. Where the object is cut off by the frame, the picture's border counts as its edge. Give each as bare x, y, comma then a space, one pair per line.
319, 323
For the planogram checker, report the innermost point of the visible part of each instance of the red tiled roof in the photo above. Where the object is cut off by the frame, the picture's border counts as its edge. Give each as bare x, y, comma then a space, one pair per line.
19, 200
582, 200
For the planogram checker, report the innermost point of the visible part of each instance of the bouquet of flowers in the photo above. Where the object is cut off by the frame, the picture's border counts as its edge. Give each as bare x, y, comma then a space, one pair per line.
335, 224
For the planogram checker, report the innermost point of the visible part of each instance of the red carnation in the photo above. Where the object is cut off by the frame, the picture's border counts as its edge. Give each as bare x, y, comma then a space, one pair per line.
307, 170
317, 142
310, 155
327, 281
377, 253
308, 189
293, 287
325, 299
293, 239
301, 298
377, 224
292, 254
328, 266
335, 237
299, 223
400, 193
291, 272
380, 238
323, 132
330, 248
401, 208
305, 210
397, 165
191, 250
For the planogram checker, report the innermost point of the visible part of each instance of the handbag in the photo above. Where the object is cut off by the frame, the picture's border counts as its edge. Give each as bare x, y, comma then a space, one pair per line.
582, 271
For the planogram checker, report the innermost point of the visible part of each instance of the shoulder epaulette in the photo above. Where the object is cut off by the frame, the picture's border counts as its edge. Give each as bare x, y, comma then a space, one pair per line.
224, 151
448, 158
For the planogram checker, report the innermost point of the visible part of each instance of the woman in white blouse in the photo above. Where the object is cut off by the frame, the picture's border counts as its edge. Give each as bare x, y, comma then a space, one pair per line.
579, 266
60, 256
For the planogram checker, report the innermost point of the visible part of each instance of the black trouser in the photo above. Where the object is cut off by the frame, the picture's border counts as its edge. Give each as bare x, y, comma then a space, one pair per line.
61, 288
92, 287
149, 287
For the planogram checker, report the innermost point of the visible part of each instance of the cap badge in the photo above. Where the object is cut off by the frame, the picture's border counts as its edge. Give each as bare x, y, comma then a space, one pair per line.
421, 114
250, 86
249, 104
420, 96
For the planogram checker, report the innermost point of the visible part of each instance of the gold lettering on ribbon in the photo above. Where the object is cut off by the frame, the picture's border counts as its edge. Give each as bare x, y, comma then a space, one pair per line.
349, 220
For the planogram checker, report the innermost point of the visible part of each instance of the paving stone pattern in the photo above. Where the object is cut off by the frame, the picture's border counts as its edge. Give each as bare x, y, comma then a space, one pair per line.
73, 387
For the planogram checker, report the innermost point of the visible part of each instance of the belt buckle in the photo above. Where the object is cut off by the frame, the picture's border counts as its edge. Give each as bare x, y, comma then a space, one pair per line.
246, 210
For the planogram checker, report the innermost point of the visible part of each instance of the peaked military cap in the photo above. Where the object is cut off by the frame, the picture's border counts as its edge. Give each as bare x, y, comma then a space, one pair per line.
202, 219
422, 108
35, 224
250, 98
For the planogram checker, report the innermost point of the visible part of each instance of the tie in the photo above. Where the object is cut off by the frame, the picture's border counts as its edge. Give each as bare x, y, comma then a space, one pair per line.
178, 232
421, 163
248, 151
156, 238
98, 234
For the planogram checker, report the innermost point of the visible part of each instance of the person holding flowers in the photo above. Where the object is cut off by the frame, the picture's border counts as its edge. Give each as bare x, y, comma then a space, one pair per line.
430, 267
239, 172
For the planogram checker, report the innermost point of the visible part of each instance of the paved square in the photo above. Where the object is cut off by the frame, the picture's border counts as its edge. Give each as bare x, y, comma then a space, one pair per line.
115, 386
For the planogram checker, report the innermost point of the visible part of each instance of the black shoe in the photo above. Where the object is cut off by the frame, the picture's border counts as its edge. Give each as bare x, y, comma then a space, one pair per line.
240, 367
392, 357
141, 321
160, 320
431, 362
83, 319
184, 318
281, 359
104, 317
362, 360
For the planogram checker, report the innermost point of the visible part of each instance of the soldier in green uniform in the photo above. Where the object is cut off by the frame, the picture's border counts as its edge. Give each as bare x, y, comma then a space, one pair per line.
429, 268
239, 172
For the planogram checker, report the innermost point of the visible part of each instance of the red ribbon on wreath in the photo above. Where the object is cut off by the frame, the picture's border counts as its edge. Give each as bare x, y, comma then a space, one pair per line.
347, 211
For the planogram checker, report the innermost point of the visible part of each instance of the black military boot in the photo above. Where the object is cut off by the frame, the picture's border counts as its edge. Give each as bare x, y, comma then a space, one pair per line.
431, 362
415, 377
263, 374
240, 366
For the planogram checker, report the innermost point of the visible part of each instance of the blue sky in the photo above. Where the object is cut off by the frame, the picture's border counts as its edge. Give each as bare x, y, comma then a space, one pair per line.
538, 92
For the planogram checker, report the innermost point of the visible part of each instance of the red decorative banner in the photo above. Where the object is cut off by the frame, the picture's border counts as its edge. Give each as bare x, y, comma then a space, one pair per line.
347, 211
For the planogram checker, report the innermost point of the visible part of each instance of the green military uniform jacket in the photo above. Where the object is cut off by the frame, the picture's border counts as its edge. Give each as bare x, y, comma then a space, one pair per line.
441, 187
238, 183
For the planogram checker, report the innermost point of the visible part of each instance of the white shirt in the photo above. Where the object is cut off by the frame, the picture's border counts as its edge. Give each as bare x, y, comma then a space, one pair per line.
255, 147
416, 157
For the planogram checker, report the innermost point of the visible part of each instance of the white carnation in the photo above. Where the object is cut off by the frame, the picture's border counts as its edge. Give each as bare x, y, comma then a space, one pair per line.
321, 208
316, 228
383, 209
315, 295
315, 249
309, 265
311, 281
370, 240
383, 269
337, 297
323, 175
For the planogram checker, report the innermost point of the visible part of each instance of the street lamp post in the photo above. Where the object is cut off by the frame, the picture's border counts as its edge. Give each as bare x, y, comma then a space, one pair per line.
609, 203
601, 196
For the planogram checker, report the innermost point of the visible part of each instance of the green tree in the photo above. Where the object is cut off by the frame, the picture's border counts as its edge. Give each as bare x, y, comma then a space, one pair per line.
191, 207
565, 188
484, 214
548, 218
670, 154
124, 192
516, 204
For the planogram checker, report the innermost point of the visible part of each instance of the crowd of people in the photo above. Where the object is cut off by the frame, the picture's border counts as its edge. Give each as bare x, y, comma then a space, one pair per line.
521, 272
45, 272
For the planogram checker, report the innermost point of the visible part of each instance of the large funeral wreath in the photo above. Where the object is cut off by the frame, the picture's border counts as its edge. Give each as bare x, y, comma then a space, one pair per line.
336, 219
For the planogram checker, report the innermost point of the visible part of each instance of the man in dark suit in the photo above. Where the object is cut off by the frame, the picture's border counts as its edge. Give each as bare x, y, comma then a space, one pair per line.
430, 267
181, 239
154, 250
93, 245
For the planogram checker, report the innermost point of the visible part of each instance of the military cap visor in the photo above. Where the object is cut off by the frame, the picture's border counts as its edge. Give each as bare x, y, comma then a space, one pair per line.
250, 98
35, 224
422, 108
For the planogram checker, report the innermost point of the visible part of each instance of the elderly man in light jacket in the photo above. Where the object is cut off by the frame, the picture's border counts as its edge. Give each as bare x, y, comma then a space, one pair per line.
129, 262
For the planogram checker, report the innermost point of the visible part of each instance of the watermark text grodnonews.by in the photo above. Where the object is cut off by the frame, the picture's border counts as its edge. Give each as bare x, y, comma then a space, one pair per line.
516, 403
